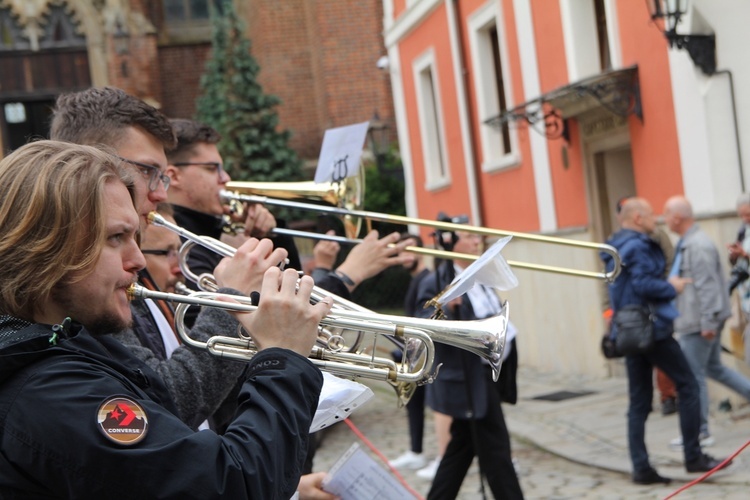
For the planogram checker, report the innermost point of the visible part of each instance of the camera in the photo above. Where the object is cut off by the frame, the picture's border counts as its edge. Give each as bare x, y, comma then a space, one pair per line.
738, 275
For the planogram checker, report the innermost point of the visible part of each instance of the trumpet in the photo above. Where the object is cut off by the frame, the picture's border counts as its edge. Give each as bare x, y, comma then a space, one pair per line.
485, 338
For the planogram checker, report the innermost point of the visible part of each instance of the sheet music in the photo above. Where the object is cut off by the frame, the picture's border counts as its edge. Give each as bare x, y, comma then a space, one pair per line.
356, 476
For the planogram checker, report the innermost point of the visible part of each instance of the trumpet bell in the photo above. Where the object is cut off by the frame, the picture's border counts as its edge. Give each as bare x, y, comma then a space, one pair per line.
347, 194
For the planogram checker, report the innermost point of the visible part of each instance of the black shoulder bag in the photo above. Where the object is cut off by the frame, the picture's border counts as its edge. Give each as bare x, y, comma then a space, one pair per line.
631, 330
634, 329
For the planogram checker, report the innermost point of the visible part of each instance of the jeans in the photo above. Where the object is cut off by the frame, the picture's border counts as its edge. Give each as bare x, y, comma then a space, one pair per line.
704, 358
668, 357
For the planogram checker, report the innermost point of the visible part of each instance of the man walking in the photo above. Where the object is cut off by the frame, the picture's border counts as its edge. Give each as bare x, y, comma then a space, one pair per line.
703, 306
642, 283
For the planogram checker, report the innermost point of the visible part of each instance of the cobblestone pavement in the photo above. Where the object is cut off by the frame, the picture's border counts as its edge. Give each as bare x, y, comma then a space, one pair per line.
550, 466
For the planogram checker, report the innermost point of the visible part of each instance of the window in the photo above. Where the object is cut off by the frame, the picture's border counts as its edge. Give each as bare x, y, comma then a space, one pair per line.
189, 19
181, 11
431, 122
605, 61
492, 88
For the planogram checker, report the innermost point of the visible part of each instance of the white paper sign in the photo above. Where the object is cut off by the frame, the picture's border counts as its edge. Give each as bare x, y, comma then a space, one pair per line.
490, 269
340, 153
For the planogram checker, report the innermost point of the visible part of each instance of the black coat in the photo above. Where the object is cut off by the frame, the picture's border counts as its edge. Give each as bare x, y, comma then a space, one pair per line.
52, 445
464, 379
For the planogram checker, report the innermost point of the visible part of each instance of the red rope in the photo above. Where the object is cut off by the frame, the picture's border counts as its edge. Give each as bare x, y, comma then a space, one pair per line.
709, 473
377, 452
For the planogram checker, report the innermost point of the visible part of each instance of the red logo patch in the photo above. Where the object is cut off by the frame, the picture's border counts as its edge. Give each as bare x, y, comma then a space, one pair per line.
122, 420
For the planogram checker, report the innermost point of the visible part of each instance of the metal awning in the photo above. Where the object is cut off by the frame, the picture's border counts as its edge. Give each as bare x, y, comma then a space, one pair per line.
616, 91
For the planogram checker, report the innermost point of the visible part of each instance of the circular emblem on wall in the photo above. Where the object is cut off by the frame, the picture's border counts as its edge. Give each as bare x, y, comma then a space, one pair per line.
122, 420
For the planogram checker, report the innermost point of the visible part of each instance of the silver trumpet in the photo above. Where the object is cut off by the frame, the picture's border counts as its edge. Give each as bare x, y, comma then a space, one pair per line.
485, 338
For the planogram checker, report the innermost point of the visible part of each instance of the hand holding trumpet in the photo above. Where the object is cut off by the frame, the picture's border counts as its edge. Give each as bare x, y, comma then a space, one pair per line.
244, 271
285, 317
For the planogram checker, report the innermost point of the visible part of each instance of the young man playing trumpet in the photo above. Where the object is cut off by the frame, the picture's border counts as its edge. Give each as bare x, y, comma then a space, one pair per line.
197, 179
139, 134
104, 408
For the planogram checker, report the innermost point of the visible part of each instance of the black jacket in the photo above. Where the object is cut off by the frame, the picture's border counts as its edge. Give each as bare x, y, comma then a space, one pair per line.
52, 445
463, 380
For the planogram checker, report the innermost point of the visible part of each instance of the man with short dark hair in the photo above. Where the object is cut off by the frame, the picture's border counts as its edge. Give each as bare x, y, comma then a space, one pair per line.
139, 134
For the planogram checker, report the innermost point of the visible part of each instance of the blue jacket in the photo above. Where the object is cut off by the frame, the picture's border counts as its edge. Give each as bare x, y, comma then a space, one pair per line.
641, 281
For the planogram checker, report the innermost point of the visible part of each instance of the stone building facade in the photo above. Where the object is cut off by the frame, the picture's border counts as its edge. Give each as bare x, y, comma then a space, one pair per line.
318, 57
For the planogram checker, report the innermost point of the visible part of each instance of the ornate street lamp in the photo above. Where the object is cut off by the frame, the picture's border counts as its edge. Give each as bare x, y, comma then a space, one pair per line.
701, 48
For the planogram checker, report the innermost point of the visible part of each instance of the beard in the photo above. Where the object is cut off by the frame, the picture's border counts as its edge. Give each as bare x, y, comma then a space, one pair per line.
104, 324
97, 323
413, 266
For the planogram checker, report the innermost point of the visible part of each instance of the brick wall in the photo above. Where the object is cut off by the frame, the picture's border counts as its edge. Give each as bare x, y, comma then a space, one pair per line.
318, 56
181, 67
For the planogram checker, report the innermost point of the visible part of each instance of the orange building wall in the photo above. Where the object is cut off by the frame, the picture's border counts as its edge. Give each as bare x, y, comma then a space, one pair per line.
508, 198
656, 155
568, 181
399, 6
432, 33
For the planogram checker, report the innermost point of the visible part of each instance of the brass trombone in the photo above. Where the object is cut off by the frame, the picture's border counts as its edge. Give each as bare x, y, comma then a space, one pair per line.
485, 338
284, 193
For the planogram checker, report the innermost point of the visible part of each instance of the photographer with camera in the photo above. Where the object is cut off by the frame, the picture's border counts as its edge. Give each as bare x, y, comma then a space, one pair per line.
738, 257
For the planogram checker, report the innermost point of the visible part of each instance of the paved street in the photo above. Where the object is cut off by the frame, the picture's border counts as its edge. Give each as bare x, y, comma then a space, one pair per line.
564, 449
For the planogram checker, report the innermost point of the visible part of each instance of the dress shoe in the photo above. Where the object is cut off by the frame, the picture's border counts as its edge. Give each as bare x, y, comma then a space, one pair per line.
705, 463
650, 476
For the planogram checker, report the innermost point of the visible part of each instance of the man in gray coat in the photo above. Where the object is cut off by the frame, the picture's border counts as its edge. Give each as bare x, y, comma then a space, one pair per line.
703, 306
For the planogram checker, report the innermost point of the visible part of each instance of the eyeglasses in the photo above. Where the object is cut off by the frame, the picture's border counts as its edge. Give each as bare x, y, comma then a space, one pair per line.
151, 172
170, 253
210, 166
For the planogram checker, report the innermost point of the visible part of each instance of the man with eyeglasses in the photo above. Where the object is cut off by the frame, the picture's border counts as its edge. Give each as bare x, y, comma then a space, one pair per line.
197, 179
140, 135
161, 247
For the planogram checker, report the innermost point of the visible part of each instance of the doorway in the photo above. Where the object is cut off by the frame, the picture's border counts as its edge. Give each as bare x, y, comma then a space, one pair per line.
613, 171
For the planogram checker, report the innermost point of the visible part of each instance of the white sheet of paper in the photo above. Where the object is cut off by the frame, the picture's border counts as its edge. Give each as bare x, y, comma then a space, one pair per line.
340, 152
490, 269
338, 399
356, 476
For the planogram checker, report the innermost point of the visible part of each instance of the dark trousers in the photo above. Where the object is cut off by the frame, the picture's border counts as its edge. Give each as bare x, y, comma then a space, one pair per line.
668, 357
415, 415
493, 450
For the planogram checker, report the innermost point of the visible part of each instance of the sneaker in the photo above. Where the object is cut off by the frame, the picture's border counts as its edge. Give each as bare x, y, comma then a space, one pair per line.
409, 460
705, 464
650, 476
429, 471
704, 438
669, 406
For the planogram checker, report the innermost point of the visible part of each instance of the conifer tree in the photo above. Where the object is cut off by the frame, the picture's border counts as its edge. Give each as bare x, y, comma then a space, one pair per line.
233, 102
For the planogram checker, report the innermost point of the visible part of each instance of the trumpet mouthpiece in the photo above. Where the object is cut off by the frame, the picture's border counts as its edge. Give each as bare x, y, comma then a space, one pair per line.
154, 218
134, 291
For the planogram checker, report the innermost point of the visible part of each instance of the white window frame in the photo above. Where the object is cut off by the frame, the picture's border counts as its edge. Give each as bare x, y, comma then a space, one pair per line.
494, 158
431, 123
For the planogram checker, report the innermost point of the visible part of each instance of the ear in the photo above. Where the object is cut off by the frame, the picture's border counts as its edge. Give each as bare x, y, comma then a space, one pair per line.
174, 174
